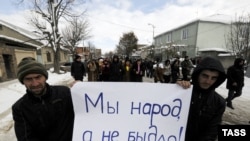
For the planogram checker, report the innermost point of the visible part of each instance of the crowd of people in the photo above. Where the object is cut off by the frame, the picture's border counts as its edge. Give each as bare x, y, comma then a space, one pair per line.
45, 112
132, 70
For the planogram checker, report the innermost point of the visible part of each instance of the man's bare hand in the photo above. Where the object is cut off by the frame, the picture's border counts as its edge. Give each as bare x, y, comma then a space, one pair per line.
184, 84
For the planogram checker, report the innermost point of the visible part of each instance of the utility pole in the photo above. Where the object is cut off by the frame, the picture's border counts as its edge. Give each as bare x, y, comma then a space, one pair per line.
153, 26
153, 47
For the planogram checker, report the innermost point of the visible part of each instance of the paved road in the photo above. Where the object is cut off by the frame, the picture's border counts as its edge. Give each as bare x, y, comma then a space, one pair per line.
146, 79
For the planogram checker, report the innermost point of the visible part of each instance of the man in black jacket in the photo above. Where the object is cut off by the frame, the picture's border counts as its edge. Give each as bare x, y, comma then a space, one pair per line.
44, 113
186, 66
78, 69
235, 81
116, 70
207, 106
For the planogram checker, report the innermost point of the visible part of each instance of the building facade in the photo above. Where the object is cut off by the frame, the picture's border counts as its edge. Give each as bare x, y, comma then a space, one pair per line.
17, 43
204, 36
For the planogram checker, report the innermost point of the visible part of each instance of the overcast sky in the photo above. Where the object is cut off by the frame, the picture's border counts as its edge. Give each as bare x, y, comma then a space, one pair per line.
109, 19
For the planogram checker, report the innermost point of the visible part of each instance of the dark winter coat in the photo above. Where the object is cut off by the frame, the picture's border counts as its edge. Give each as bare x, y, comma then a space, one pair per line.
175, 70
49, 118
186, 67
105, 70
235, 73
127, 73
138, 77
207, 106
116, 70
78, 70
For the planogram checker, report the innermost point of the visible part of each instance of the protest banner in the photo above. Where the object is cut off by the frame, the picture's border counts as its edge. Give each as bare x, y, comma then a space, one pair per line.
109, 111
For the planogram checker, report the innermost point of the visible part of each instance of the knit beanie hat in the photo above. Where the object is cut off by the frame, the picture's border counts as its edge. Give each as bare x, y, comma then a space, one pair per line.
28, 66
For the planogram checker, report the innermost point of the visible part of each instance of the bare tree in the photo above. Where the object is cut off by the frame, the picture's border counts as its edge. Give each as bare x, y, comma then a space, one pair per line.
46, 17
239, 37
77, 31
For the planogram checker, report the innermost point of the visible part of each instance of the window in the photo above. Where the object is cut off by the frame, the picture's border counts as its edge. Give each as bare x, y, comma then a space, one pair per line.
184, 34
48, 55
169, 38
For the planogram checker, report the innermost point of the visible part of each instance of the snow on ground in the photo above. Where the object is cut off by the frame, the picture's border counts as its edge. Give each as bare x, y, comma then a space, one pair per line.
12, 90
241, 113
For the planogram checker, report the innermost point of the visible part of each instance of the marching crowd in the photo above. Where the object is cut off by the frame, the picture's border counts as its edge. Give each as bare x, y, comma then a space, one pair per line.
168, 71
127, 70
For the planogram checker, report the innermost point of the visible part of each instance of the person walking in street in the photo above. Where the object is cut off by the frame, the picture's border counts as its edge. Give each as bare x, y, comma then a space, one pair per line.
127, 71
235, 81
92, 71
158, 71
186, 66
105, 70
149, 68
207, 106
116, 70
100, 63
78, 69
45, 112
167, 71
175, 70
138, 70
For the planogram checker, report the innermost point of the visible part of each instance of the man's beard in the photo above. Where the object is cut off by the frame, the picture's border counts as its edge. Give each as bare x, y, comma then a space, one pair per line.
37, 90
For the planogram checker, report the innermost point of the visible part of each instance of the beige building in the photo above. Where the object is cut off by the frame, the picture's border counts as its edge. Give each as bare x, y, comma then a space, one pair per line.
17, 43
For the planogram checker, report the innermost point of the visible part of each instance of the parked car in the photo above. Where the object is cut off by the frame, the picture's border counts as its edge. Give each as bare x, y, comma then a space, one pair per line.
66, 67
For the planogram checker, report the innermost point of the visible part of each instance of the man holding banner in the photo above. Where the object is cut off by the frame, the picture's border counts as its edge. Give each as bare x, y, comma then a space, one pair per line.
108, 111
207, 106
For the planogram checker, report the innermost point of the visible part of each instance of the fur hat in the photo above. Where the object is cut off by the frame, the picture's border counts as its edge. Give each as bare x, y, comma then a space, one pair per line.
28, 66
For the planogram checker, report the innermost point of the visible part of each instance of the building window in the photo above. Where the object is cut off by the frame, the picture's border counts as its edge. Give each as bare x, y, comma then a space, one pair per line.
161, 40
169, 38
48, 55
184, 34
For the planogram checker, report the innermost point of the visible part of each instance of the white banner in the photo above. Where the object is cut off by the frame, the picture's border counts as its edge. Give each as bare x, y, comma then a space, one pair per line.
108, 111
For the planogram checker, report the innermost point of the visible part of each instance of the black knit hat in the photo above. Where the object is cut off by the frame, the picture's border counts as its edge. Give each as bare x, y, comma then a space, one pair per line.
28, 66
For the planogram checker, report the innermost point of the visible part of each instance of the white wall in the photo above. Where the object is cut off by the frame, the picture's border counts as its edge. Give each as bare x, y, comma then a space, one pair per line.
212, 35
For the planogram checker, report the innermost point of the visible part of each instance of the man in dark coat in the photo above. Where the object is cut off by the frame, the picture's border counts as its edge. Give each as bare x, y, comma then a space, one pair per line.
186, 66
78, 69
45, 112
207, 106
138, 70
235, 80
116, 70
